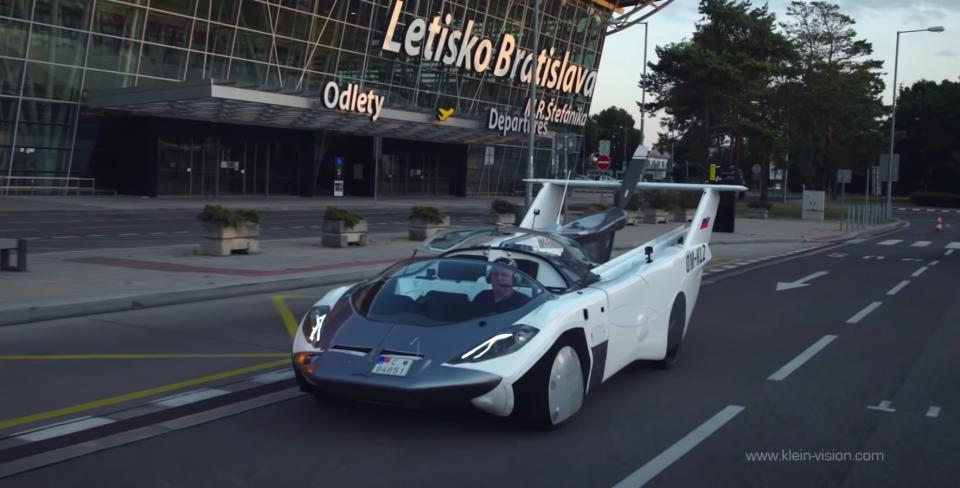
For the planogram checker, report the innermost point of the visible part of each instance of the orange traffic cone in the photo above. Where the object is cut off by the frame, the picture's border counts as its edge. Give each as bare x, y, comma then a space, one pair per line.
939, 227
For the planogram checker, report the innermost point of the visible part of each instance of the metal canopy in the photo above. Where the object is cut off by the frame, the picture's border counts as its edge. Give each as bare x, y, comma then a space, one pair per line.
224, 103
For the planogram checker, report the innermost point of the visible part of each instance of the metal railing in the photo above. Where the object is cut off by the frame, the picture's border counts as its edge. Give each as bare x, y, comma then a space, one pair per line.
862, 216
48, 185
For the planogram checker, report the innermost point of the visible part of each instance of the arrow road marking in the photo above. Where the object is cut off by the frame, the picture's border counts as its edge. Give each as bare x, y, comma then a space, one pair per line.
884, 406
801, 282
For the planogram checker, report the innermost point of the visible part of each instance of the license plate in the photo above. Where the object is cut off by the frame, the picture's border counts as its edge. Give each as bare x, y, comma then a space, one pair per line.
393, 366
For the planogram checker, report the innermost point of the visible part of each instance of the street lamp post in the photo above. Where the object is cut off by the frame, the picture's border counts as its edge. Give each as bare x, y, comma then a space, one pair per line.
528, 190
643, 88
893, 116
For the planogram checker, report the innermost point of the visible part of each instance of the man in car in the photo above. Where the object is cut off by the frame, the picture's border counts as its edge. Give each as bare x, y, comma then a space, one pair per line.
501, 296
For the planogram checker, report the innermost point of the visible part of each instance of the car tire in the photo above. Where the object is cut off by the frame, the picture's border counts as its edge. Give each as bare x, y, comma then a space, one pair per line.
553, 390
678, 317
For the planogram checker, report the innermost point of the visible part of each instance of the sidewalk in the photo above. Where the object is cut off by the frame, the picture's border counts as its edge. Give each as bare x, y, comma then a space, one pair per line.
86, 282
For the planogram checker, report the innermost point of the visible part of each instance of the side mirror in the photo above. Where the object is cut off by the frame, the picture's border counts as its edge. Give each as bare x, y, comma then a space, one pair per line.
649, 252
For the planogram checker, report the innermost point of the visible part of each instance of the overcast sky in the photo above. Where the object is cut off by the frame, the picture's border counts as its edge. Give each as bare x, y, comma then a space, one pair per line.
923, 55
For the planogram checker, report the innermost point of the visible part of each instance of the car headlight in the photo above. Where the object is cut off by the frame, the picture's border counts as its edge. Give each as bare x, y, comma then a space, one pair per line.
503, 343
313, 324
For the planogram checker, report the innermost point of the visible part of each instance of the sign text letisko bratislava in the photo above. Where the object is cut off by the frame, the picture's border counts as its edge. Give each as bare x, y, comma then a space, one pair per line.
436, 40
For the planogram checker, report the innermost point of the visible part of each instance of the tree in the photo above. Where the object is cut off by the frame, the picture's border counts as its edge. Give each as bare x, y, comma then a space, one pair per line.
616, 125
833, 103
928, 115
717, 88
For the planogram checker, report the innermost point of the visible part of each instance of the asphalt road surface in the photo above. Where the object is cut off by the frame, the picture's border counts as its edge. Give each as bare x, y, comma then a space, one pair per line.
860, 362
86, 229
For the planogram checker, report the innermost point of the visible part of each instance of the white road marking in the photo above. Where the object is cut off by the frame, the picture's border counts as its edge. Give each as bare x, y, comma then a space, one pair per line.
934, 263
933, 411
896, 289
884, 406
273, 376
953, 245
801, 282
158, 233
31, 238
949, 252
64, 237
878, 258
663, 460
837, 255
890, 242
64, 429
858, 240
919, 271
130, 234
182, 232
189, 397
911, 260
94, 235
863, 313
297, 227
802, 358
921, 244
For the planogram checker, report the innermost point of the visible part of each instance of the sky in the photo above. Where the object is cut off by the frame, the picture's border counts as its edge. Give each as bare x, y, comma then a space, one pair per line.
923, 55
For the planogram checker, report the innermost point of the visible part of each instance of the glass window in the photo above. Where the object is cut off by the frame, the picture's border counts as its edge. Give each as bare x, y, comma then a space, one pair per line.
248, 73
11, 70
293, 24
57, 45
15, 8
162, 62
53, 82
221, 40
38, 161
13, 37
224, 12
101, 80
291, 53
324, 60
43, 135
68, 13
113, 54
252, 46
38, 112
118, 20
254, 15
166, 29
177, 6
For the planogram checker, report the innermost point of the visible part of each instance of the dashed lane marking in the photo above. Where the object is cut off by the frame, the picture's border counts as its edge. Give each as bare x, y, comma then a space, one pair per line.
83, 407
934, 263
57, 430
890, 242
863, 313
933, 411
919, 271
953, 245
921, 244
663, 460
289, 321
896, 289
64, 237
802, 358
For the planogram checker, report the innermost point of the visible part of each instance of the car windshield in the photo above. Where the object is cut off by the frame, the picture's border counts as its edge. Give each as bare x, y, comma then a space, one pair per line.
445, 291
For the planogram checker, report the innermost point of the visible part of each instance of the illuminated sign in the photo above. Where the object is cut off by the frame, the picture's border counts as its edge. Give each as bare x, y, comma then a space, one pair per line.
547, 111
444, 113
438, 41
352, 100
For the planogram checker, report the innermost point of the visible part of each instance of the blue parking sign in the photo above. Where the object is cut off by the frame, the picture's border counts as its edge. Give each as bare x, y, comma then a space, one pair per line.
338, 161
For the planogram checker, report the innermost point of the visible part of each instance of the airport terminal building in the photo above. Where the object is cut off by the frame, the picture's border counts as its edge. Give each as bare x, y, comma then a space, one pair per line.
288, 97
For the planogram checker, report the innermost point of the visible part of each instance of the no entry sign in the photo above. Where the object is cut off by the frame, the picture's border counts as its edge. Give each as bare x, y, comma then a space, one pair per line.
603, 162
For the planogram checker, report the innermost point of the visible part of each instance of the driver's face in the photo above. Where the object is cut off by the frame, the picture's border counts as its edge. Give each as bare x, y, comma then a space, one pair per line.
501, 277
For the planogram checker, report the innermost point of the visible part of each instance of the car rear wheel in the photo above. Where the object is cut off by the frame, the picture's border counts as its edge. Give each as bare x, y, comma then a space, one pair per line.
552, 391
678, 317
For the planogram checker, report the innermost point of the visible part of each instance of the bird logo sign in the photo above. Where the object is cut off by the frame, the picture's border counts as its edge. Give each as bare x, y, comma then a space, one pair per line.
444, 113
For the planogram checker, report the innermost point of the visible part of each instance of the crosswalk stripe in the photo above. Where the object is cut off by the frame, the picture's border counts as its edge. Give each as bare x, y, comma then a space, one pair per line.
920, 244
890, 242
953, 245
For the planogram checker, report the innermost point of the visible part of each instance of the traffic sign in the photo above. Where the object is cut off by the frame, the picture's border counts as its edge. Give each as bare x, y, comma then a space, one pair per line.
603, 162
338, 161
756, 169
604, 147
844, 175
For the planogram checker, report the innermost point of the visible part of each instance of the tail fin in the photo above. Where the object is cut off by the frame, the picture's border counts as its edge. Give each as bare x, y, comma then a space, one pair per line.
703, 219
630, 180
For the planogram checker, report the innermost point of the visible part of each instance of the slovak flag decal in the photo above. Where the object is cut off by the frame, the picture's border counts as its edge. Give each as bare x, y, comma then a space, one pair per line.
705, 223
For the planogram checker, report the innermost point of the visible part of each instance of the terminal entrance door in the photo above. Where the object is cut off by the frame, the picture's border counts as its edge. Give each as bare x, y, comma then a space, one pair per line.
213, 166
413, 173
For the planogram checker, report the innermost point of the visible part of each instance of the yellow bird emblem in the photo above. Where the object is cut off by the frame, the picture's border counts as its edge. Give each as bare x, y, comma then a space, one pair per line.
444, 113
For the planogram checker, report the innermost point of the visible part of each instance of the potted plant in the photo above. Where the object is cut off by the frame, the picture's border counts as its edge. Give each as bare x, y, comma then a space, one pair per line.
658, 206
502, 212
342, 227
757, 210
634, 209
229, 230
686, 206
425, 222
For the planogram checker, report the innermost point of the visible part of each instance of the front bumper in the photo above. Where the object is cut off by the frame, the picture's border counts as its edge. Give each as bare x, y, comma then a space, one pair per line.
431, 385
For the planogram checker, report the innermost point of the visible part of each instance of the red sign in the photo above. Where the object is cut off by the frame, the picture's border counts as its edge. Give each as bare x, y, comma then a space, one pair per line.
603, 162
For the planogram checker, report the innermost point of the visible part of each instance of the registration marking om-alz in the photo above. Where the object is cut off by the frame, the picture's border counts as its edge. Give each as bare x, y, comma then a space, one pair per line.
696, 257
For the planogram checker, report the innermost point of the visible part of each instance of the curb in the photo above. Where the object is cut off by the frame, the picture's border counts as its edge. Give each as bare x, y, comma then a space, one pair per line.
138, 302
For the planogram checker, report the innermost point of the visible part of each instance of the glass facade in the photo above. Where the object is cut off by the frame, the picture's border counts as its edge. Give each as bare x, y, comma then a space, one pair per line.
54, 51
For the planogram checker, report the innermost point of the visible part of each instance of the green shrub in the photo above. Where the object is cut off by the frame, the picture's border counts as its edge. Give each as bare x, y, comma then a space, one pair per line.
429, 214
224, 217
634, 203
759, 204
659, 199
503, 207
689, 199
350, 219
934, 199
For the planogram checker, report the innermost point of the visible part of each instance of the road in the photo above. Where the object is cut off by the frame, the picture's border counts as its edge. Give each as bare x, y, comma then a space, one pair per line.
860, 361
52, 231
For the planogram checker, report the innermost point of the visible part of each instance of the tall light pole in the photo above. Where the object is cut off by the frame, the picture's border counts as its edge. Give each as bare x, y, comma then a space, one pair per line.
528, 191
893, 116
643, 96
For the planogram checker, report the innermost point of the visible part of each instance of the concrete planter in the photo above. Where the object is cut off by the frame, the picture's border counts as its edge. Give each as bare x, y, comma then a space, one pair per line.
336, 234
655, 216
756, 213
421, 230
683, 215
506, 219
223, 241
634, 217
